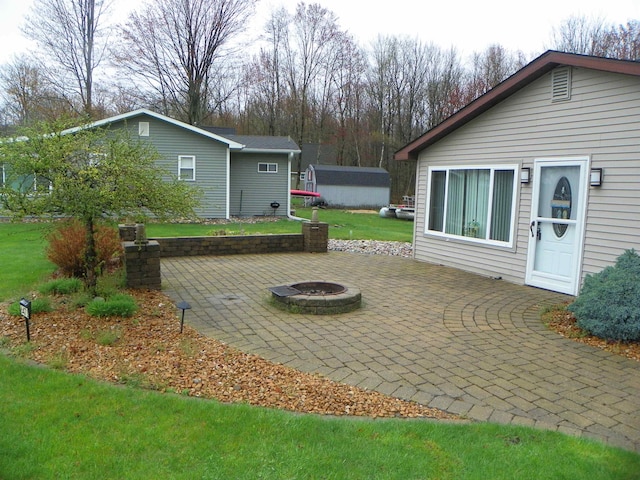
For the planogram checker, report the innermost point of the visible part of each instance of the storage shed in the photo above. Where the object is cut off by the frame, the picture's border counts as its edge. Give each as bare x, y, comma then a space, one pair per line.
355, 187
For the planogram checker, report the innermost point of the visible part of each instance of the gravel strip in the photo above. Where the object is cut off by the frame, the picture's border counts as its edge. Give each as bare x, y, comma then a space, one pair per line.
372, 247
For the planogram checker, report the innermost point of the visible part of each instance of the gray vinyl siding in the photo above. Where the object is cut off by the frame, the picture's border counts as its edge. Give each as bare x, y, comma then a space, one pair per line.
354, 196
172, 141
251, 192
602, 121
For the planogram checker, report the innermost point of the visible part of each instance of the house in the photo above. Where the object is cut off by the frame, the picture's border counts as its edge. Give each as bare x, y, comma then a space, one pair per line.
537, 181
356, 187
240, 175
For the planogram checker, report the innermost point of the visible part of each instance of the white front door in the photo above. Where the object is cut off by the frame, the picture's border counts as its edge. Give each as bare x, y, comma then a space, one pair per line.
556, 228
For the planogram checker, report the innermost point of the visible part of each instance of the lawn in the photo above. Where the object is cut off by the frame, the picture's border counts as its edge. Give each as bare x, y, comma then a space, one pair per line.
343, 225
22, 258
57, 425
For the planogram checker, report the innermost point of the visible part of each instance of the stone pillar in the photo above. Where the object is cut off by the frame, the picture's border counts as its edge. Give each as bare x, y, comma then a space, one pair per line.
316, 236
127, 232
142, 265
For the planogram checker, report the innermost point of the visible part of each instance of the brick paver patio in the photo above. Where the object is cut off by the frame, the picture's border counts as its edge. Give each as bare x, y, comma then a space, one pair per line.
463, 343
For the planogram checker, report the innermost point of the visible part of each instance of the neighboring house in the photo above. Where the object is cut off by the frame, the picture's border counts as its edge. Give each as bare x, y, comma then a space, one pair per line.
360, 187
538, 180
239, 175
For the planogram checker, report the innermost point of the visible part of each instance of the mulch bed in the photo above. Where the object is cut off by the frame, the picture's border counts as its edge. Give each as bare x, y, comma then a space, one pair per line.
148, 350
563, 322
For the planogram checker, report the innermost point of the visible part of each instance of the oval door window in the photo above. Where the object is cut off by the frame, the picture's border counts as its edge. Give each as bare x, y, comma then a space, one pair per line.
561, 206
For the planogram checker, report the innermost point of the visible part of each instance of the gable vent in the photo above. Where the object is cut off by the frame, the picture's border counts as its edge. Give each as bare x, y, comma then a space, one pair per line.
561, 84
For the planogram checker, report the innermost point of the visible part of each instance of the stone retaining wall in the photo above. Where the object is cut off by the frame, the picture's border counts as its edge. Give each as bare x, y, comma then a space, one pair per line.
230, 245
142, 257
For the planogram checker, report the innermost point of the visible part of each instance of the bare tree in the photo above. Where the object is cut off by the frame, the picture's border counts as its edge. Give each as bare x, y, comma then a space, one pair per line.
310, 38
71, 42
28, 95
582, 35
174, 45
489, 68
623, 41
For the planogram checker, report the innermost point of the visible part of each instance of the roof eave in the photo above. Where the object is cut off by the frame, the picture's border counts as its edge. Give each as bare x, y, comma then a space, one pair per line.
269, 150
534, 70
143, 111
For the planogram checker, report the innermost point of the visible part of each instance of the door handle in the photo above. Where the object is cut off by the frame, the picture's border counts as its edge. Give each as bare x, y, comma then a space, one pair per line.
533, 224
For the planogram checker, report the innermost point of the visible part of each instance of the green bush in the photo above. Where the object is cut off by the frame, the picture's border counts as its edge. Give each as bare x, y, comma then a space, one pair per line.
61, 286
608, 305
119, 305
38, 305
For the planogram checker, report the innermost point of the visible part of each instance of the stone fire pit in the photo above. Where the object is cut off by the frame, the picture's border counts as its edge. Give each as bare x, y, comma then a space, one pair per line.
317, 297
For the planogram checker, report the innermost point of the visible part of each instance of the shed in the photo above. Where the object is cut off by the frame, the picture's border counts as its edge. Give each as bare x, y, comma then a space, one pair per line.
354, 187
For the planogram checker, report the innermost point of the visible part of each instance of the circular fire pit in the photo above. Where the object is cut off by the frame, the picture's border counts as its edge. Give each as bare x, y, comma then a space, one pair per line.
317, 297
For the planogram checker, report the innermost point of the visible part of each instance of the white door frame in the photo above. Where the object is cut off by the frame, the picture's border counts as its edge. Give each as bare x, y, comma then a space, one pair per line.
570, 284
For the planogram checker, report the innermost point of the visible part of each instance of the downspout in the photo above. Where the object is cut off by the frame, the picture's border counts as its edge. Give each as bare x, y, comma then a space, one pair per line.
289, 216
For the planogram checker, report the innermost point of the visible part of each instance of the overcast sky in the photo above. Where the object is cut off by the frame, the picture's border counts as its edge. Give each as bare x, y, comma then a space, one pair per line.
468, 25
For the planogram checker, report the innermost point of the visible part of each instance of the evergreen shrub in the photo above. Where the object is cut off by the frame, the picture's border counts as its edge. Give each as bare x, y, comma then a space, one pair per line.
609, 303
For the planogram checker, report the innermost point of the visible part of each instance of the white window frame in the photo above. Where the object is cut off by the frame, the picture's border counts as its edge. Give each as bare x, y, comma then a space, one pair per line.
492, 168
143, 129
268, 167
193, 167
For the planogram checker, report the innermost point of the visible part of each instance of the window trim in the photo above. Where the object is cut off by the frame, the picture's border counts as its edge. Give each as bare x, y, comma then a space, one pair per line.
492, 168
143, 129
193, 168
267, 166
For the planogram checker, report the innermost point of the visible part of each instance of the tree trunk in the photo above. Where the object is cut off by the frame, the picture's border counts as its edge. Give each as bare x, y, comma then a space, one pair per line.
90, 257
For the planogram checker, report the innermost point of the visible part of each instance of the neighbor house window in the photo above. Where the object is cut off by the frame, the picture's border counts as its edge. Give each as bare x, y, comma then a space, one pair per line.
472, 202
187, 167
268, 167
143, 129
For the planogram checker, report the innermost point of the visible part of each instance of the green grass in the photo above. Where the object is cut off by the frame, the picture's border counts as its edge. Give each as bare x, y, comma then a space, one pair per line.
343, 225
56, 425
22, 258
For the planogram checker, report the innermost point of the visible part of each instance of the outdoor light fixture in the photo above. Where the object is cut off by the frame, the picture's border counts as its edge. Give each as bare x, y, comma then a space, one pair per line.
596, 177
525, 175
183, 306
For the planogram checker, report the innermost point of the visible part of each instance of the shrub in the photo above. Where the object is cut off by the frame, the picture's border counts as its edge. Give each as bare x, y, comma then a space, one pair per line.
608, 305
67, 246
61, 286
38, 305
119, 305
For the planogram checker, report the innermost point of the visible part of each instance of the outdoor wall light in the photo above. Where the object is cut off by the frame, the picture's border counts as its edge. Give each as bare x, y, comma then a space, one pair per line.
596, 177
525, 175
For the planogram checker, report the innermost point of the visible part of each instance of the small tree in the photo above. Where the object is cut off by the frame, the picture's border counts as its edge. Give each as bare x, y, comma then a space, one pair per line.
88, 174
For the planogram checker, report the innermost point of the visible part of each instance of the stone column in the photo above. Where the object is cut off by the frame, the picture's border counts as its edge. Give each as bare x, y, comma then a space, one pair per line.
316, 236
142, 265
